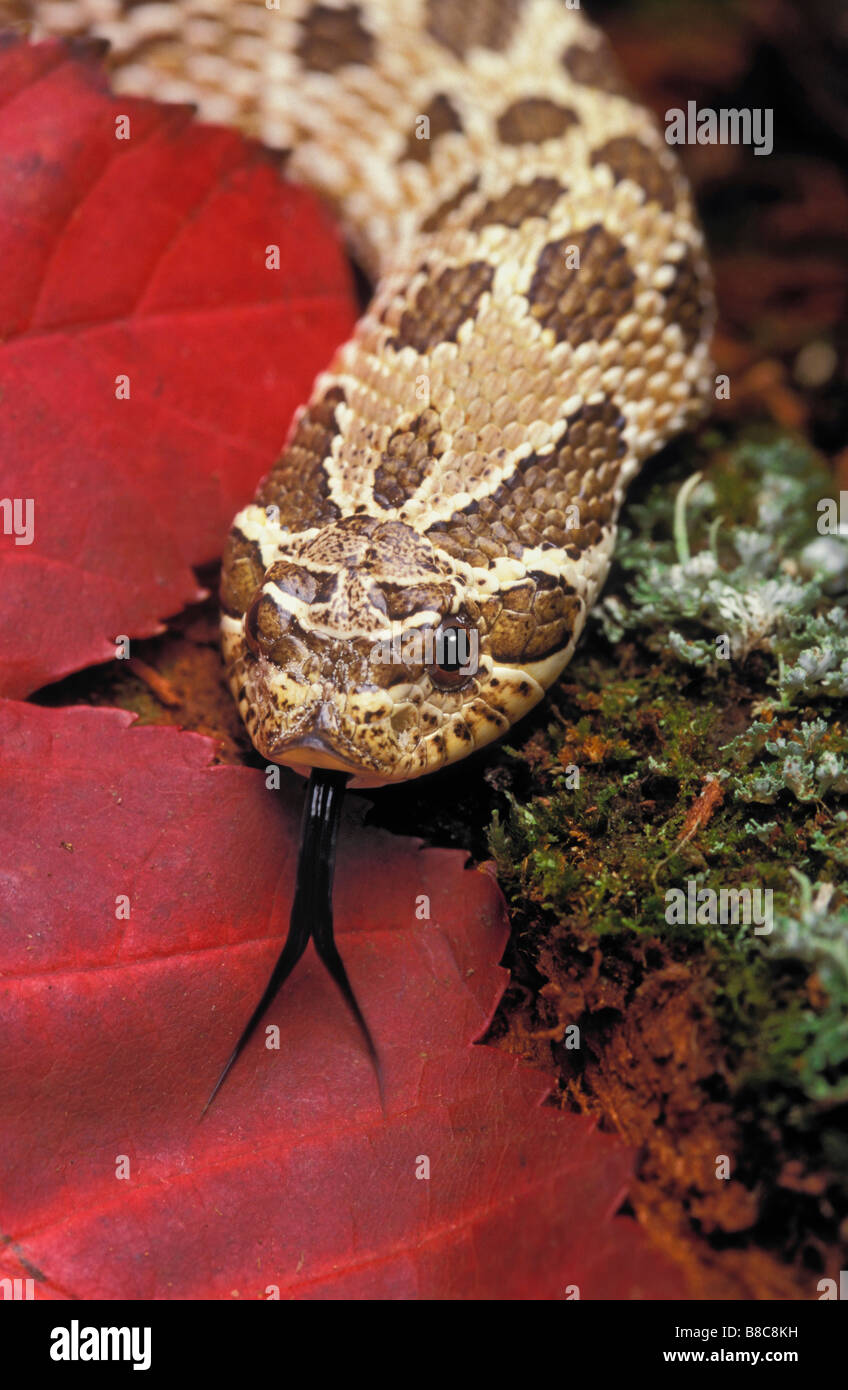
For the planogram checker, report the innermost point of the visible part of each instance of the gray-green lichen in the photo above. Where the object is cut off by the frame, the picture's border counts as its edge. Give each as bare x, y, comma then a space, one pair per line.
744, 588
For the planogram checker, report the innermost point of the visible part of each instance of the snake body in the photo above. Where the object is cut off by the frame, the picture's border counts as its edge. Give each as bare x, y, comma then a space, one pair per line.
540, 326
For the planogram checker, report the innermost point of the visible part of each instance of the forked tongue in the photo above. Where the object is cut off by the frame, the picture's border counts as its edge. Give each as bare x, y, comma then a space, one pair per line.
312, 912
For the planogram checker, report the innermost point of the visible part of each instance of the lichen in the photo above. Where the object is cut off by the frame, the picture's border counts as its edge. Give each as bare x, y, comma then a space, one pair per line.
763, 587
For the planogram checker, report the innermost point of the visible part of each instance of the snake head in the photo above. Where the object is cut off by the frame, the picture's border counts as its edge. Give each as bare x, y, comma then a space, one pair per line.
359, 649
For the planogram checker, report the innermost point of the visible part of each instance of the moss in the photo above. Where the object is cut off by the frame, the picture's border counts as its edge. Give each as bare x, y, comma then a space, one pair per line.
674, 756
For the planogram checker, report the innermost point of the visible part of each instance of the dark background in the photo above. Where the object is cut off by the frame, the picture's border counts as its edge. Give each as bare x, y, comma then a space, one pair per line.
777, 226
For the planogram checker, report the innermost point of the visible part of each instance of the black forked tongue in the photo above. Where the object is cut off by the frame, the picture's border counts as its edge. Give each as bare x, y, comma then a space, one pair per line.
312, 912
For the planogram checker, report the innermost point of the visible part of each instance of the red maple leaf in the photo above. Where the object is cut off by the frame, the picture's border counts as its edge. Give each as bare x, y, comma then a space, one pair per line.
139, 260
114, 1029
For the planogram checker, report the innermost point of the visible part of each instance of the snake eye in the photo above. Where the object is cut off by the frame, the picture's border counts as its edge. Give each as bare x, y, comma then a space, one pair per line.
455, 654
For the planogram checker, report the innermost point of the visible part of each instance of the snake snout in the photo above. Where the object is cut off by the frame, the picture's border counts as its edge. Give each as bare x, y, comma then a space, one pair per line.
314, 750
319, 742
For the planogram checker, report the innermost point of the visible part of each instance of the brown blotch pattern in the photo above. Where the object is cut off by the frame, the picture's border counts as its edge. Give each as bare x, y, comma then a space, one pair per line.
374, 545
546, 628
443, 117
402, 600
530, 620
441, 307
242, 572
534, 119
440, 213
298, 483
407, 460
630, 159
530, 509
329, 39
460, 26
595, 67
523, 200
296, 581
582, 303
686, 298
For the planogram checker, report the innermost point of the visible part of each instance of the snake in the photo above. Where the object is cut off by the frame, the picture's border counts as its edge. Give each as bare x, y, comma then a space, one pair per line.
417, 566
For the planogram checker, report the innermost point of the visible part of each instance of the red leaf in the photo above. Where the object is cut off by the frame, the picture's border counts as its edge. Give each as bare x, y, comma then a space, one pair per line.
146, 258
114, 1031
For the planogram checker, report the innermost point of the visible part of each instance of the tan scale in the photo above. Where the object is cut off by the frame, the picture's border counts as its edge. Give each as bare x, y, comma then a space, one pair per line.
540, 326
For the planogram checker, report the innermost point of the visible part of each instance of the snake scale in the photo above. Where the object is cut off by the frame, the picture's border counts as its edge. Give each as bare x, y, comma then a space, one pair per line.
417, 566
540, 326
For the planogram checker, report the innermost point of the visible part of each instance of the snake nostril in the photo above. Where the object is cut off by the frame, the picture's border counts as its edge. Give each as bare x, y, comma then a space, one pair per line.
403, 719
